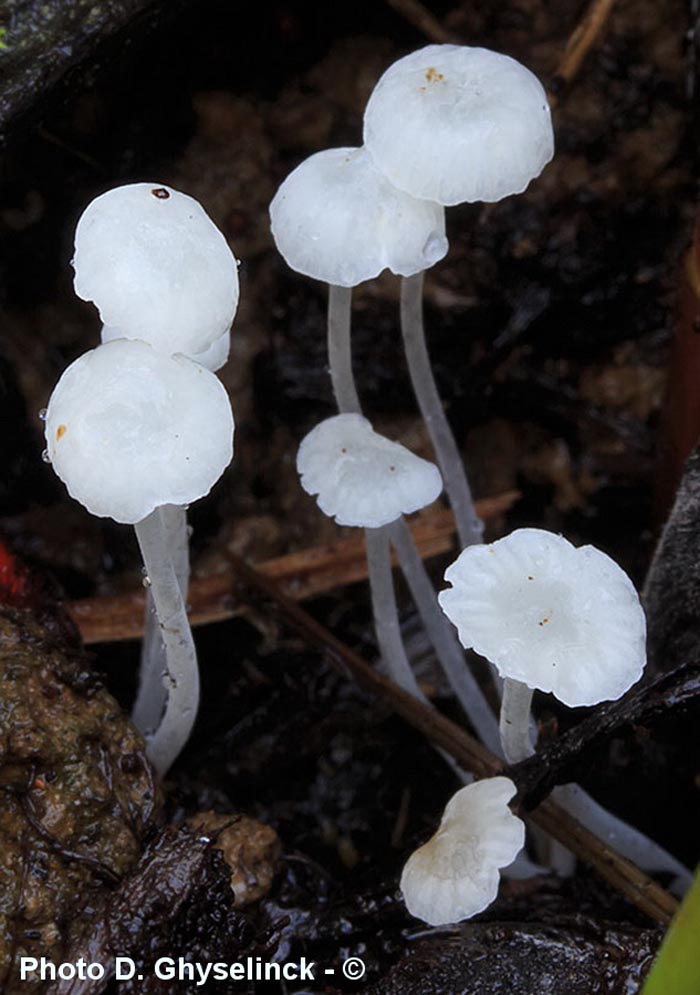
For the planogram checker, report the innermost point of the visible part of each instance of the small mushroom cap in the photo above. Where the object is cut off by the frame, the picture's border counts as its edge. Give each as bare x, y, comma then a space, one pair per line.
336, 218
129, 429
216, 355
361, 478
456, 124
552, 616
156, 267
455, 874
213, 358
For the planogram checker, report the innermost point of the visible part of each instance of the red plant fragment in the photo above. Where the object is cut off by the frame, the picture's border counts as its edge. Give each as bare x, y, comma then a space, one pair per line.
15, 580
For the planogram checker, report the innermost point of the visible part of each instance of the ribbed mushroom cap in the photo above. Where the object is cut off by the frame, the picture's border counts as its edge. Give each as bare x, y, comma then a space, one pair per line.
455, 875
213, 358
129, 429
156, 267
455, 124
336, 218
552, 616
361, 478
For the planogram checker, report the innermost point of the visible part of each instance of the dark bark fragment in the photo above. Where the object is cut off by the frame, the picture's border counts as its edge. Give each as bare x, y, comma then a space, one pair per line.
583, 959
177, 901
42, 40
672, 590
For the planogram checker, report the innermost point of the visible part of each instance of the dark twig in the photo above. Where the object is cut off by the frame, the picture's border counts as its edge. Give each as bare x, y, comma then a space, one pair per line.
424, 21
624, 876
672, 696
580, 42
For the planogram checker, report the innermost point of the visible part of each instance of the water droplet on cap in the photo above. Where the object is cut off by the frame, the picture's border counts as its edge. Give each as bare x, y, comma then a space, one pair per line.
45, 456
43, 413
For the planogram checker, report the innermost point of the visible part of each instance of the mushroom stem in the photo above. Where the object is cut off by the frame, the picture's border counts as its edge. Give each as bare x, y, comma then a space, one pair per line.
151, 697
443, 637
340, 350
386, 617
379, 562
625, 839
381, 581
622, 837
182, 674
388, 629
515, 721
469, 525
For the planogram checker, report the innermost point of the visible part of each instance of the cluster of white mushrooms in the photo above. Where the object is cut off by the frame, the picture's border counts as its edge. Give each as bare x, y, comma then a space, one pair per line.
140, 427
447, 125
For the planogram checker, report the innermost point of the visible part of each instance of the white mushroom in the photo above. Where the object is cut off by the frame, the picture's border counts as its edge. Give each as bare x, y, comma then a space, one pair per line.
156, 267
549, 615
452, 124
562, 619
455, 875
336, 218
360, 477
129, 430
212, 358
132, 433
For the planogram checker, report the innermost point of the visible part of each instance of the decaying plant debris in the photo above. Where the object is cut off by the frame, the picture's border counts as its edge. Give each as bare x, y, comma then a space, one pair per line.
78, 793
550, 324
583, 958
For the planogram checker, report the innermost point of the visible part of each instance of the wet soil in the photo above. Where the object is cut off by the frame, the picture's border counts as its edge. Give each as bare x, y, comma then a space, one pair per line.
549, 327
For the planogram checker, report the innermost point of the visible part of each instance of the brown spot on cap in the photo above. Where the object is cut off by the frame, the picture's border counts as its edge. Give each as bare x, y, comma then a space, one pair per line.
433, 76
161, 193
61, 431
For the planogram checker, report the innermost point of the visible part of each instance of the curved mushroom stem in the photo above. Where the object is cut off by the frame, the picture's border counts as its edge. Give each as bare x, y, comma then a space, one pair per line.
625, 839
151, 697
515, 721
469, 525
443, 638
182, 674
379, 561
381, 581
386, 616
340, 349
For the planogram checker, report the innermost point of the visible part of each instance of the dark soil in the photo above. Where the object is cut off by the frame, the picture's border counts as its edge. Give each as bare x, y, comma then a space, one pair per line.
549, 327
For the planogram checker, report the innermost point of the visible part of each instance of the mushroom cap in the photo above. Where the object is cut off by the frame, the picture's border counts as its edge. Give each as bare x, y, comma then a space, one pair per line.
156, 267
552, 616
213, 357
129, 430
453, 124
216, 355
361, 478
336, 218
455, 874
